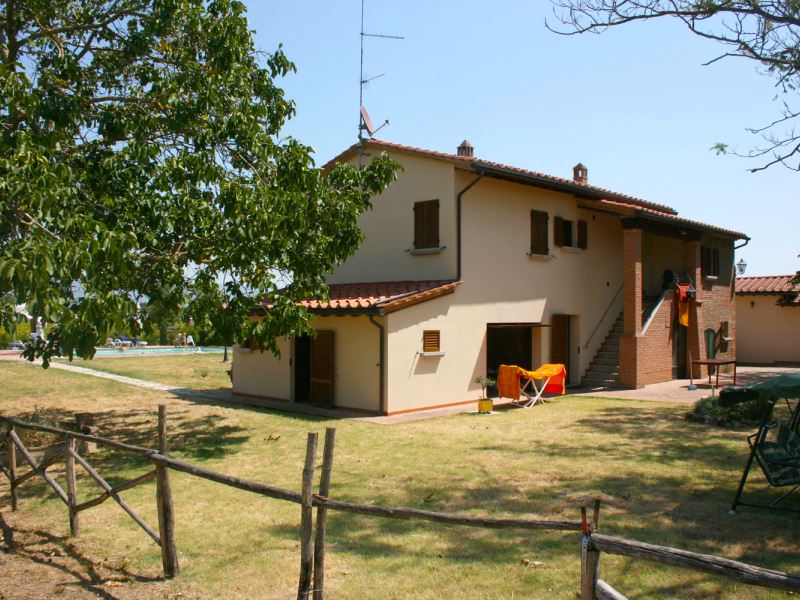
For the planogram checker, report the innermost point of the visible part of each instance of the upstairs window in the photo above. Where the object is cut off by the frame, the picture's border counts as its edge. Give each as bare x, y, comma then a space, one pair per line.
709, 261
426, 224
539, 241
570, 234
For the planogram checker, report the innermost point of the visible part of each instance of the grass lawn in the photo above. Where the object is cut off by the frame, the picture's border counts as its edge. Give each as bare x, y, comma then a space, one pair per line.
661, 479
198, 371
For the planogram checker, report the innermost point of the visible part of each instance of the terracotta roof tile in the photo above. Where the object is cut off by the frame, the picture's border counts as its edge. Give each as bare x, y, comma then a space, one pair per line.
472, 163
767, 284
386, 296
596, 194
670, 217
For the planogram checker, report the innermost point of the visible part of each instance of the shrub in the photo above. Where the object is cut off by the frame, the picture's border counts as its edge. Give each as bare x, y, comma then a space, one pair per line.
746, 412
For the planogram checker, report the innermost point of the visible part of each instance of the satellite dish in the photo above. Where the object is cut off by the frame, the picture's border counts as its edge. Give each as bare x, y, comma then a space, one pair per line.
366, 122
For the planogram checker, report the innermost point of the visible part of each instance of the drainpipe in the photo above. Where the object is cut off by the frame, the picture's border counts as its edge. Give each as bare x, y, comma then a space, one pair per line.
382, 365
458, 224
746, 241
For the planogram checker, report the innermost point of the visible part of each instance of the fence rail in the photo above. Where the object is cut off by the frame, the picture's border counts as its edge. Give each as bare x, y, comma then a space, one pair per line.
313, 531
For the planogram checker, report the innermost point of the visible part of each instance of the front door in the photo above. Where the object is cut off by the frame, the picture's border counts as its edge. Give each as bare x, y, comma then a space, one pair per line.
313, 369
559, 341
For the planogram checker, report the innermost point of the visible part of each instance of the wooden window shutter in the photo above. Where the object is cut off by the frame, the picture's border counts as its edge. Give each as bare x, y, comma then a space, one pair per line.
426, 224
539, 241
558, 231
430, 340
583, 235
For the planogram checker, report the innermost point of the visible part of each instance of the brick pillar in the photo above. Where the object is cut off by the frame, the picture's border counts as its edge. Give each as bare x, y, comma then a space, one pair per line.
632, 311
694, 336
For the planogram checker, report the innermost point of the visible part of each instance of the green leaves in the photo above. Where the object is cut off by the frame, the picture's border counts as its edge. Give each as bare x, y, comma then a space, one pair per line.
140, 161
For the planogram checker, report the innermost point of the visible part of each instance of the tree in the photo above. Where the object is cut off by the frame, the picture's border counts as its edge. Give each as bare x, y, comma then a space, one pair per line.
765, 31
141, 160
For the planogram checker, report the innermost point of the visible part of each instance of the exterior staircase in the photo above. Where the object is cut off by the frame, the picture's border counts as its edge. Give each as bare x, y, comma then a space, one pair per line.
604, 370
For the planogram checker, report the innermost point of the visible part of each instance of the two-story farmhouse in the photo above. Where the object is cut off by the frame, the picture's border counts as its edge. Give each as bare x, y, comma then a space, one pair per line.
468, 264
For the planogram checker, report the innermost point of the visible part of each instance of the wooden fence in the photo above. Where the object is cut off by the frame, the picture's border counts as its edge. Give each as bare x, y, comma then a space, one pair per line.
313, 531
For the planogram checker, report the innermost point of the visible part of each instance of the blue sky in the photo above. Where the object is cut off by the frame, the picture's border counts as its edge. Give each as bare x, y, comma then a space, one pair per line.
634, 104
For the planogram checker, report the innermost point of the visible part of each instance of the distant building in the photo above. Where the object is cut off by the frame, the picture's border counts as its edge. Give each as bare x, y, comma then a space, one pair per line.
768, 320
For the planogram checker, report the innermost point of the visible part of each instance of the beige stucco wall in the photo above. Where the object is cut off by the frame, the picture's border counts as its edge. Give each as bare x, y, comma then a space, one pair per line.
511, 286
416, 381
502, 284
659, 253
257, 373
356, 372
389, 227
356, 355
766, 333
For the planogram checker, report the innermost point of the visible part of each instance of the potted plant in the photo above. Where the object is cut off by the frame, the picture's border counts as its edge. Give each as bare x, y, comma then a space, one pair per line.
485, 404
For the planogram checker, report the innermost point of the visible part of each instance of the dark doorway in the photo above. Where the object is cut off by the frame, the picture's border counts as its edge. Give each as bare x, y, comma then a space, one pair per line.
313, 369
507, 345
559, 341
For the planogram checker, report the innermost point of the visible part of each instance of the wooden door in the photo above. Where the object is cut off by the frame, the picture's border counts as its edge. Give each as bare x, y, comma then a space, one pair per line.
559, 340
322, 369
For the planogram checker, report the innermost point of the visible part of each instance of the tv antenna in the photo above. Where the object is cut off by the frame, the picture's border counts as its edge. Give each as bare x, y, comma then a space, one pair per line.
364, 120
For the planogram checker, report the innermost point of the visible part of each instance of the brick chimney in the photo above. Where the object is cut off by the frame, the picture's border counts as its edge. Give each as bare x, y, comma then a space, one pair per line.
580, 174
466, 149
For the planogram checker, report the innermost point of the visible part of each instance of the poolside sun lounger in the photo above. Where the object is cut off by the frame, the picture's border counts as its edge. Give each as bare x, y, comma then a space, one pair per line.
515, 382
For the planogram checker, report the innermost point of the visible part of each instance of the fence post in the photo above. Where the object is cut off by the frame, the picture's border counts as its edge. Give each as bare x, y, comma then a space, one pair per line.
322, 515
72, 486
590, 561
306, 517
12, 468
166, 516
85, 423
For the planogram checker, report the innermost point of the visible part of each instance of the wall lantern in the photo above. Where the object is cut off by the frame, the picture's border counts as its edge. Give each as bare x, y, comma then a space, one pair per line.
741, 267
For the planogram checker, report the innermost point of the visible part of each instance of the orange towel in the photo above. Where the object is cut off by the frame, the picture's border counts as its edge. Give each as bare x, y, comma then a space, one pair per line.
558, 378
682, 296
508, 382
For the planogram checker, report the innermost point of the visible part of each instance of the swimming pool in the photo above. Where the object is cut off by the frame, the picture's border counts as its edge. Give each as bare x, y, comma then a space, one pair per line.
139, 351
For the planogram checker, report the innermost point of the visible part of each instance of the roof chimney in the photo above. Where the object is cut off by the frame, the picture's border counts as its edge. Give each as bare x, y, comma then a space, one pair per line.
466, 149
580, 174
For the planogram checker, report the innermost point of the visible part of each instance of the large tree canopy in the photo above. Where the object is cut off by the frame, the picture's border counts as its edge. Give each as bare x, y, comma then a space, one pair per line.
141, 159
766, 31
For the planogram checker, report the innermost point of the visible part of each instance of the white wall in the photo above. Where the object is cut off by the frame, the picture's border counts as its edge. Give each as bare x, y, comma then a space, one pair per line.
766, 333
389, 227
259, 373
355, 372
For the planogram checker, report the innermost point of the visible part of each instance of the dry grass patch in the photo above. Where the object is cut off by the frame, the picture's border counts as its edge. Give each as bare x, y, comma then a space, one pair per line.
663, 481
196, 371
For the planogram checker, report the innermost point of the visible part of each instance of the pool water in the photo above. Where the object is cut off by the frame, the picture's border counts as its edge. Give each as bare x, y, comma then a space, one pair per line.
137, 351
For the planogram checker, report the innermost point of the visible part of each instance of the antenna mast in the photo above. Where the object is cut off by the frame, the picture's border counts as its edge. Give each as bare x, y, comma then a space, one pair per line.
364, 122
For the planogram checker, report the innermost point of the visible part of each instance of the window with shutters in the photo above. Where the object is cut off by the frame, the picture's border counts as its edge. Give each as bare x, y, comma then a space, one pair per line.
426, 224
430, 341
709, 261
570, 234
539, 241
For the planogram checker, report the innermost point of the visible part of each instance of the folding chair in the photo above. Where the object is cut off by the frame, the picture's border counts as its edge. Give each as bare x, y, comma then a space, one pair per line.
514, 382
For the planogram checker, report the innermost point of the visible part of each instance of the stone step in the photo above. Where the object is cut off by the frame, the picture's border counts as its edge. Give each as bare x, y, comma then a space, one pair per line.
587, 382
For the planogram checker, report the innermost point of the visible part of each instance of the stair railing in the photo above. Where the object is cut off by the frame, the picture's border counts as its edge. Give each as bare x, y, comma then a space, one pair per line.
605, 314
654, 311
